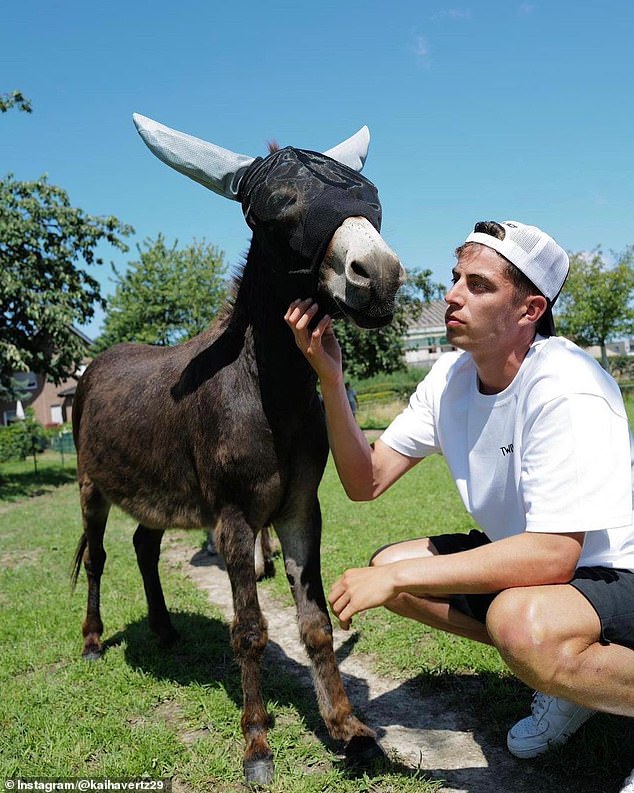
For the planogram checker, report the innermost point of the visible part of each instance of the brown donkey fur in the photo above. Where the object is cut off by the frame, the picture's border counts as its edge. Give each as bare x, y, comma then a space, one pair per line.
226, 432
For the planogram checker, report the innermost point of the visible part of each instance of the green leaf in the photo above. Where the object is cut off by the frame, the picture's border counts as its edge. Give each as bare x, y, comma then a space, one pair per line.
595, 305
44, 290
168, 295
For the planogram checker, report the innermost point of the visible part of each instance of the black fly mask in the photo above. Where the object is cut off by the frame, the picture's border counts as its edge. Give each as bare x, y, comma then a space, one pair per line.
295, 200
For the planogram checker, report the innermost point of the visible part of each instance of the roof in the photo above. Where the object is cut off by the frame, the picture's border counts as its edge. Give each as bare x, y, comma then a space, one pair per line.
431, 317
81, 335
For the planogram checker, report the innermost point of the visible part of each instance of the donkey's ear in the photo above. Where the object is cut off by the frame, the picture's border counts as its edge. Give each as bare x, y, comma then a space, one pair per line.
213, 167
352, 152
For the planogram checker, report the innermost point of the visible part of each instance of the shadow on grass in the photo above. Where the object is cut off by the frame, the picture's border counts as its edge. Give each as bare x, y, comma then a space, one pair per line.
596, 759
203, 656
27, 484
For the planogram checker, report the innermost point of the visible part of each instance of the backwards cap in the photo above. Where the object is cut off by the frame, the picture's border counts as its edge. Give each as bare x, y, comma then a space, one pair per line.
538, 256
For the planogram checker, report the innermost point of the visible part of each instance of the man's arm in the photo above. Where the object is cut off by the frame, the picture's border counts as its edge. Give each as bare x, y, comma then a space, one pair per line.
365, 471
527, 559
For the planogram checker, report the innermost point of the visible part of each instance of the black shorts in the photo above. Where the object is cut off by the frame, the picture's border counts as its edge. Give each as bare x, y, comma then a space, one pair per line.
475, 606
610, 591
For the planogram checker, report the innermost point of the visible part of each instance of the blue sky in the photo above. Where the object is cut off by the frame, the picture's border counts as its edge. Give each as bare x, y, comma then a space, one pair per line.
487, 110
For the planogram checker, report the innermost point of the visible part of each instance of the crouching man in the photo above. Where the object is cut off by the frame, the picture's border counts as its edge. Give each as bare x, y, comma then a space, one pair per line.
537, 440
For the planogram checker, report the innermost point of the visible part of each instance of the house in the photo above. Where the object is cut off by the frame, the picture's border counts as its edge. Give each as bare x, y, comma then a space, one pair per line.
620, 347
425, 339
52, 404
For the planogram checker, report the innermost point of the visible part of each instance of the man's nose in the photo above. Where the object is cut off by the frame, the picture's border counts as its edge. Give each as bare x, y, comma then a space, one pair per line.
453, 294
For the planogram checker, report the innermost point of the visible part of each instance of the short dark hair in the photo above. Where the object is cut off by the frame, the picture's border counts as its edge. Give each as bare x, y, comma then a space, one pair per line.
524, 287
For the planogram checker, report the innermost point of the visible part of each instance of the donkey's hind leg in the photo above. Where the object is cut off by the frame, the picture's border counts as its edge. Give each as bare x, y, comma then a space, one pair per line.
249, 636
265, 548
147, 544
94, 508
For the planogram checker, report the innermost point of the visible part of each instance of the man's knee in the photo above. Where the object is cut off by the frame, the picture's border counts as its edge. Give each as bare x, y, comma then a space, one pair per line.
378, 557
398, 551
516, 623
539, 634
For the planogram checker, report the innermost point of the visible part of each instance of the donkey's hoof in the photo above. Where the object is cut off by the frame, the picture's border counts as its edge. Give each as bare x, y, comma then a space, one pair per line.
93, 648
259, 772
363, 750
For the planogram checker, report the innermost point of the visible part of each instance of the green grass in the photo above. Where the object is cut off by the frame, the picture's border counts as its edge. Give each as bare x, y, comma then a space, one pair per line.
21, 479
141, 711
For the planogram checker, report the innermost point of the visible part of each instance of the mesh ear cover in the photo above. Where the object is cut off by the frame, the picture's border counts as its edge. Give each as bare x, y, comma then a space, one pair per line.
212, 166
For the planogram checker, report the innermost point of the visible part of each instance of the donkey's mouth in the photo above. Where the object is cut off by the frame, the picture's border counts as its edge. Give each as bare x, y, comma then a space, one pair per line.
369, 319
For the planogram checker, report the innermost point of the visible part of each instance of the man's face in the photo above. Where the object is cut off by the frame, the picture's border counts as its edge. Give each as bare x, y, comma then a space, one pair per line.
482, 314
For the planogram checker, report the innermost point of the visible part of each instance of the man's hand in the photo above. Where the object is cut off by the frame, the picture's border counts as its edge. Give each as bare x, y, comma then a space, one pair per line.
360, 589
319, 345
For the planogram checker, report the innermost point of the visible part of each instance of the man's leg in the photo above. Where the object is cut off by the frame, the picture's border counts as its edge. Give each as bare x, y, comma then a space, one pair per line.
544, 652
549, 637
435, 612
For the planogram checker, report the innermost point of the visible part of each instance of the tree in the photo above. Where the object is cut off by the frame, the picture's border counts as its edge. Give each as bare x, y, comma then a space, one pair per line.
595, 304
43, 291
14, 99
167, 296
368, 352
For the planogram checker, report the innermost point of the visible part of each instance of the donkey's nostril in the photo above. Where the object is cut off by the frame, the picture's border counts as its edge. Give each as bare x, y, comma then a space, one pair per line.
360, 270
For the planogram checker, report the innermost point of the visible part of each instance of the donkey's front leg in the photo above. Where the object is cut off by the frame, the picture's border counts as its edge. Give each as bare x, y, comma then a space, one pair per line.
249, 636
300, 544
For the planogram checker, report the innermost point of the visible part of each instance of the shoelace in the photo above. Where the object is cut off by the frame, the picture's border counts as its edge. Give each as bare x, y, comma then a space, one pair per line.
539, 705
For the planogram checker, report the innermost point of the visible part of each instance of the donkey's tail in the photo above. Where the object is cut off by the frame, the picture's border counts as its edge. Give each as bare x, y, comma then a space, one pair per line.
79, 556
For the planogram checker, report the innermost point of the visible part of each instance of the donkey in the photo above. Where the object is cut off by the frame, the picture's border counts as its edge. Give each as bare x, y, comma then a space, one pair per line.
226, 430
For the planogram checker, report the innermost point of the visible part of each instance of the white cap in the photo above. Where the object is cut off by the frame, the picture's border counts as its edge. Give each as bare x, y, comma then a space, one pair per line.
532, 251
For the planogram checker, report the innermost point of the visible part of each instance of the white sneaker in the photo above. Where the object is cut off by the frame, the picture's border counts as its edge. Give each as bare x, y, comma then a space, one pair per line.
628, 785
552, 721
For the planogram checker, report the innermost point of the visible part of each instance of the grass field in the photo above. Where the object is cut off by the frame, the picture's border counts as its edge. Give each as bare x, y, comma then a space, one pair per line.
144, 712
138, 712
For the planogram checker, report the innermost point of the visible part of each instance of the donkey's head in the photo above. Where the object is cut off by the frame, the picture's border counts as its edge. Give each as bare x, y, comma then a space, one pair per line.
314, 215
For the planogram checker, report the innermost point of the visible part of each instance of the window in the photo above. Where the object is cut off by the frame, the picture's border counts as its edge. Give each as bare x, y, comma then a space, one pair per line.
25, 381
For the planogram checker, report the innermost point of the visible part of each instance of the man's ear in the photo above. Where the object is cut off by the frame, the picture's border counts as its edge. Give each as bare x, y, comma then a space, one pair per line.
536, 305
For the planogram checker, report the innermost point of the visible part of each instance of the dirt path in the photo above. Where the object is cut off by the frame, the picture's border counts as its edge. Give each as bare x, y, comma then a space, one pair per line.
421, 729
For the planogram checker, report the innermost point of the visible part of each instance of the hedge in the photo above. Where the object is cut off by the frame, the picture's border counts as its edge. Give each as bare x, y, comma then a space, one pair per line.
19, 439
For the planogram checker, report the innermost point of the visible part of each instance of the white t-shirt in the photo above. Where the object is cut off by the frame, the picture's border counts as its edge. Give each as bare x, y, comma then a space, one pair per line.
550, 453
